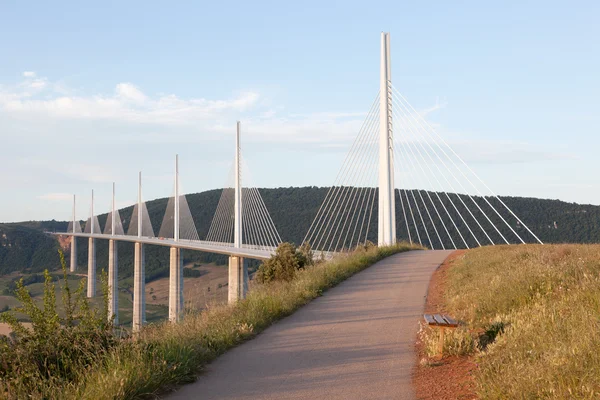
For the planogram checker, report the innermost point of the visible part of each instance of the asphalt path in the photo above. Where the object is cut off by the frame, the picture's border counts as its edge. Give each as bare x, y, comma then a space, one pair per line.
354, 342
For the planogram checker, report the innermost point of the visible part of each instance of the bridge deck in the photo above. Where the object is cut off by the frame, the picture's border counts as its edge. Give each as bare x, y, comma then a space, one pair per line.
247, 251
355, 342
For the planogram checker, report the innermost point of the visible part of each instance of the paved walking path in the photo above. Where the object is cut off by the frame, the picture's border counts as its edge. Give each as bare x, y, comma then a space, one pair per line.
354, 342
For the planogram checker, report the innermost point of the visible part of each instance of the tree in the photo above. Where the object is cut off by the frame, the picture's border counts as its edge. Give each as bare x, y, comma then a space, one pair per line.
283, 265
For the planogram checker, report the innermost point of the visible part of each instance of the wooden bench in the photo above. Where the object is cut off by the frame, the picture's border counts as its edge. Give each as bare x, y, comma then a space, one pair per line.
442, 322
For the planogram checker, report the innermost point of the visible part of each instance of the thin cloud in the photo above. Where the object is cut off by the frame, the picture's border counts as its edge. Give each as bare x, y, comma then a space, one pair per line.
128, 103
56, 197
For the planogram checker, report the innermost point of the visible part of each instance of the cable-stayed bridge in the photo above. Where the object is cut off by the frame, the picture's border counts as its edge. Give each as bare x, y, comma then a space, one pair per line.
399, 176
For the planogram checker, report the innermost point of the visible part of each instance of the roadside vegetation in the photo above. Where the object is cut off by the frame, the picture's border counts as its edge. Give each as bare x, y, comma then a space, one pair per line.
162, 355
531, 318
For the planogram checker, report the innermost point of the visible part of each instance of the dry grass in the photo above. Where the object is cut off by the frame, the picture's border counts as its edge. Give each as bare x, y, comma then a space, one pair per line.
543, 302
209, 288
166, 355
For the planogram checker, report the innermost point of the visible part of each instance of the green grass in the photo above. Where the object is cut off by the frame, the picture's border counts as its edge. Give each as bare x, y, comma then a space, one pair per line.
155, 312
165, 355
544, 303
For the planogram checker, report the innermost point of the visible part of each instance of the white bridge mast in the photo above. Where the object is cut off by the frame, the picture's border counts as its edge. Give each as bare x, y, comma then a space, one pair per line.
387, 201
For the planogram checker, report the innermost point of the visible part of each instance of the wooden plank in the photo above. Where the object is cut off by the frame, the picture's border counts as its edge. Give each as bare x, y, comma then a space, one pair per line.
429, 319
450, 321
439, 319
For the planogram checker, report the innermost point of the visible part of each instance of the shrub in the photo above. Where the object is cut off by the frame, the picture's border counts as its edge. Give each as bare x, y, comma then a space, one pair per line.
191, 273
284, 264
37, 361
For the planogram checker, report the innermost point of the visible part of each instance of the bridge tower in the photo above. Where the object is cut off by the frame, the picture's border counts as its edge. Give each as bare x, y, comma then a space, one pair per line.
73, 261
91, 276
139, 270
113, 266
238, 271
387, 203
176, 262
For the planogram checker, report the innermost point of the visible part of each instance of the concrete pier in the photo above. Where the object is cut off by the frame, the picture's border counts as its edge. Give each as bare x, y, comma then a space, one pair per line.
113, 286
238, 279
139, 292
176, 286
73, 260
91, 275
238, 272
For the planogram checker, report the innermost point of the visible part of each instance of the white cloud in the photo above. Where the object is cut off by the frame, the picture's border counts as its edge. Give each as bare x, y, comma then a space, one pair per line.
37, 84
56, 197
76, 171
128, 104
171, 118
29, 74
128, 91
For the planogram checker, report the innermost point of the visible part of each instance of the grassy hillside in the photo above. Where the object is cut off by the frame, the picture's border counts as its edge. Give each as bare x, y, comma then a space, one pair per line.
26, 249
543, 303
292, 210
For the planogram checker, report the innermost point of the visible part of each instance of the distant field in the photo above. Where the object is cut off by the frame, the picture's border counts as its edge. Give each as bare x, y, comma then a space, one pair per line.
210, 288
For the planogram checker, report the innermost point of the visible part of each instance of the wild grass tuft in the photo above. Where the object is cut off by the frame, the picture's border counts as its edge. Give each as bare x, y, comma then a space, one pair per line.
38, 362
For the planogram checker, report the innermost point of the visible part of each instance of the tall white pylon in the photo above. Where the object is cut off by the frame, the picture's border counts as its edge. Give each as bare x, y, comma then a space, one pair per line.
113, 266
176, 216
73, 261
238, 272
386, 234
237, 238
176, 262
139, 283
91, 278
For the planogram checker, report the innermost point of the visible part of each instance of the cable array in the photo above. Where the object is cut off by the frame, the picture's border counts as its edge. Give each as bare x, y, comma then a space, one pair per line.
77, 227
258, 229
187, 227
447, 214
346, 216
88, 225
147, 230
438, 203
222, 225
118, 224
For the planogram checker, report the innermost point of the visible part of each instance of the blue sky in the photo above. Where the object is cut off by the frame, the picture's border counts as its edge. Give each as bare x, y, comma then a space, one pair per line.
91, 94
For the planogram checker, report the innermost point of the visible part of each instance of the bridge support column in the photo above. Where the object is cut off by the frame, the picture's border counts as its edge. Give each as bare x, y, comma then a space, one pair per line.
238, 279
386, 234
73, 260
139, 287
113, 288
176, 286
91, 275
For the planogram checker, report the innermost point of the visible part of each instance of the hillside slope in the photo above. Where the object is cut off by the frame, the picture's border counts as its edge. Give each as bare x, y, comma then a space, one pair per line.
292, 210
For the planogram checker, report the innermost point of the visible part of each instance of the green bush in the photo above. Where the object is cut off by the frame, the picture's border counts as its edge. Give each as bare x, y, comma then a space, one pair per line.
191, 273
36, 361
283, 265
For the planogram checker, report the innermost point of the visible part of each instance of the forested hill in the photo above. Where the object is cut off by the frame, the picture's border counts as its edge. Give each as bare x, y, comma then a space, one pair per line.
25, 246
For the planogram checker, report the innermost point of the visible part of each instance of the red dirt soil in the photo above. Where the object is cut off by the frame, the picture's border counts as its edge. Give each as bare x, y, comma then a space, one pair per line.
451, 377
64, 242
